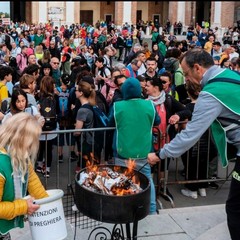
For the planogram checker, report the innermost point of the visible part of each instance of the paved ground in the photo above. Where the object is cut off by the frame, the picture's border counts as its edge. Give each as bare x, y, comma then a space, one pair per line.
199, 223
200, 219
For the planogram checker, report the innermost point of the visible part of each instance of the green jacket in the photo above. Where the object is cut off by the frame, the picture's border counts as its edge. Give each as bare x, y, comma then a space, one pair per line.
162, 48
226, 82
155, 36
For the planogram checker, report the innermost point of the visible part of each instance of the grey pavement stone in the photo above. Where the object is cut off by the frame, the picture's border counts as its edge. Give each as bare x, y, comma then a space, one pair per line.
196, 221
221, 230
199, 223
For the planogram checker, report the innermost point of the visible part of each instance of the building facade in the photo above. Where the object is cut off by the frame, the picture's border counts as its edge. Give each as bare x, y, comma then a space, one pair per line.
217, 13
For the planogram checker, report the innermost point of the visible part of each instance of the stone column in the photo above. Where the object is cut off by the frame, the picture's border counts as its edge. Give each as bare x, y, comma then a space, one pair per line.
69, 13
217, 14
181, 12
127, 9
42, 12
77, 9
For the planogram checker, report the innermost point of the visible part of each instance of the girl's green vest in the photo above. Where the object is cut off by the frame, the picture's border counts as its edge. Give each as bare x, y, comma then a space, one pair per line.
6, 171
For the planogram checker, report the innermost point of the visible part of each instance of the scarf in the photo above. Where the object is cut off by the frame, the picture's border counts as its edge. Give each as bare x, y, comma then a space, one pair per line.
158, 100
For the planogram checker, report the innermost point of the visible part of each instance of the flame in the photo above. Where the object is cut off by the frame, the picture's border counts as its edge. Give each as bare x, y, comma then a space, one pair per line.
93, 159
90, 162
128, 172
121, 191
136, 180
130, 167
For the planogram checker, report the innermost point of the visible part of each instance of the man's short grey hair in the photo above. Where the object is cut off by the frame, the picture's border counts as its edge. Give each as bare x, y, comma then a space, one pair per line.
120, 66
135, 61
225, 46
137, 46
234, 60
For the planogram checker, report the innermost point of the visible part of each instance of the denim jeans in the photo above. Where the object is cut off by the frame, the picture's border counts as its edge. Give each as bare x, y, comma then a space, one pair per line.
147, 172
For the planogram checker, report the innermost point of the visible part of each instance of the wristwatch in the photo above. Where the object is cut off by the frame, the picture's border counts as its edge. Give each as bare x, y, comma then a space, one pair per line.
157, 153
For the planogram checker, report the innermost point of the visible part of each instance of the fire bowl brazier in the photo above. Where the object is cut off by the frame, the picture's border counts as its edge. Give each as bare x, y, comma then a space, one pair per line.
111, 208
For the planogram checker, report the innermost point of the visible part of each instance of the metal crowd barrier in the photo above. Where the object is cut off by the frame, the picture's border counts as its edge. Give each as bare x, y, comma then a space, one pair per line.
177, 178
63, 176
63, 180
69, 171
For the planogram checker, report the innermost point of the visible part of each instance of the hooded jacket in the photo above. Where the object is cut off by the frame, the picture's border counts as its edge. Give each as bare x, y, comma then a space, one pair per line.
134, 118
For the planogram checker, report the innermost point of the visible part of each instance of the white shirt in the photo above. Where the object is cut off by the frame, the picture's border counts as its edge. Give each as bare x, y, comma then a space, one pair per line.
14, 52
232, 55
142, 69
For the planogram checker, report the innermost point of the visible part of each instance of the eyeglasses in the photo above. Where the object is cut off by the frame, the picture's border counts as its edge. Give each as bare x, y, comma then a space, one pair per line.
137, 66
185, 74
56, 63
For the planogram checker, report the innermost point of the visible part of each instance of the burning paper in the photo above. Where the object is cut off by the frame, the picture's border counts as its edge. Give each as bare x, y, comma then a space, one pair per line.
107, 181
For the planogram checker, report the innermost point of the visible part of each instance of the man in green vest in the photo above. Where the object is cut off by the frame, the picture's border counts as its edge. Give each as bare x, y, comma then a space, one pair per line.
134, 118
218, 107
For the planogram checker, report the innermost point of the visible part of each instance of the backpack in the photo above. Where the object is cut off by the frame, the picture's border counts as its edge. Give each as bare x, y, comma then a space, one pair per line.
171, 65
103, 74
8, 41
5, 105
100, 120
106, 62
101, 102
63, 102
190, 34
48, 111
102, 70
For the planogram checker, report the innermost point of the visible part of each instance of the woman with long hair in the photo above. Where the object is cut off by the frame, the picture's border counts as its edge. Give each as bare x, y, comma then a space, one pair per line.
19, 103
47, 89
170, 111
19, 141
85, 119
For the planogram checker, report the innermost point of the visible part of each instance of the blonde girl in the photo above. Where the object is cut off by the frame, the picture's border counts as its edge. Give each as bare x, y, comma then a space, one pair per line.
19, 141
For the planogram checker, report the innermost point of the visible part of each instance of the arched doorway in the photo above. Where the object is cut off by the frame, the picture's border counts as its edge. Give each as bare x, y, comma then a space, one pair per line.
203, 12
18, 11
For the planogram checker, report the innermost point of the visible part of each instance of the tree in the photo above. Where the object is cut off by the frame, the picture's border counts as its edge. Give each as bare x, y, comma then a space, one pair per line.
5, 15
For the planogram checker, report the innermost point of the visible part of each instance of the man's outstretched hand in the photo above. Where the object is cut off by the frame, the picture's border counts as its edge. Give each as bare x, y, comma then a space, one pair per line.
153, 159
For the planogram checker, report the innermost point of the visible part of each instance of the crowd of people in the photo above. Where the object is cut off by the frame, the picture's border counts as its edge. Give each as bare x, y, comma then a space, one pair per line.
139, 86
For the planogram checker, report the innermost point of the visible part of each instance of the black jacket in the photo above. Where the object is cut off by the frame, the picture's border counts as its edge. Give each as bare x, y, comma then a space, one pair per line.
174, 107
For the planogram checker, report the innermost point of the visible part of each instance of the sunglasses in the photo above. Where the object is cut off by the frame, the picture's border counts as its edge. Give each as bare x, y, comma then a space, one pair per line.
56, 63
89, 48
163, 82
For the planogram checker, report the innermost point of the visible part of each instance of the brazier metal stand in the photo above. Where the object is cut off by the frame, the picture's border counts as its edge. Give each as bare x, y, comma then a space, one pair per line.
117, 233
